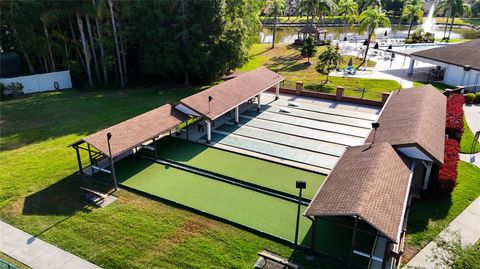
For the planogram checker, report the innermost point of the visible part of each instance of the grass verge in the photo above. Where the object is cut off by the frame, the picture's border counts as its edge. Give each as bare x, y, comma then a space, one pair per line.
39, 192
467, 140
429, 216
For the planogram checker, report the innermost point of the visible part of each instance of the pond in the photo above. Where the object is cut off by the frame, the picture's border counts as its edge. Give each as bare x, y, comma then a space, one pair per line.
289, 34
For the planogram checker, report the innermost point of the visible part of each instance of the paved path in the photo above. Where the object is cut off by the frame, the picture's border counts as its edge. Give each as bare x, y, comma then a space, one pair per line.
471, 158
466, 224
472, 114
35, 252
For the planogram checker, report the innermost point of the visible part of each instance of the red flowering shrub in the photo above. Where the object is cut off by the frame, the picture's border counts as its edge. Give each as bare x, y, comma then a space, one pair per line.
454, 121
447, 176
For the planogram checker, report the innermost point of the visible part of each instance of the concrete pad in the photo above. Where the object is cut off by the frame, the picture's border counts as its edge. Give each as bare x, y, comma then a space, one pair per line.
35, 252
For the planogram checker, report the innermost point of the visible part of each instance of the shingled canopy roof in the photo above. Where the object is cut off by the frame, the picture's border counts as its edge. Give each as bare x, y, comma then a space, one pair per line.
136, 131
462, 54
369, 181
414, 117
232, 93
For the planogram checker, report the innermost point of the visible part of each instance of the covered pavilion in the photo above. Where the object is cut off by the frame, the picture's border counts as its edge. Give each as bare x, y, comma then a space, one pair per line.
121, 139
220, 99
310, 30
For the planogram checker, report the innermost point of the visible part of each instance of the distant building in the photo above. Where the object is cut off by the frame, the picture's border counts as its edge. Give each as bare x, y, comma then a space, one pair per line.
458, 63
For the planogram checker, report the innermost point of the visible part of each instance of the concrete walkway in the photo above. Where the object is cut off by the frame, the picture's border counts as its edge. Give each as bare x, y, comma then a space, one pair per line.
471, 158
466, 224
472, 114
35, 252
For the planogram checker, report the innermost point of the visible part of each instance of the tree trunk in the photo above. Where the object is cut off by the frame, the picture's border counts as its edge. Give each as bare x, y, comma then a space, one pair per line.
445, 29
45, 63
370, 33
123, 52
410, 27
92, 46
274, 26
185, 40
117, 47
86, 51
25, 55
74, 37
451, 25
102, 50
52, 62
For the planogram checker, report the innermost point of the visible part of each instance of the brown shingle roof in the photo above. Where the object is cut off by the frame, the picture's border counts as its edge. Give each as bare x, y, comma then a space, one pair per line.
371, 182
414, 117
135, 131
462, 54
231, 93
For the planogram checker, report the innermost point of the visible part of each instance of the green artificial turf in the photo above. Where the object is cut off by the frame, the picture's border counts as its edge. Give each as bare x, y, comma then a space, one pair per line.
260, 172
10, 261
259, 211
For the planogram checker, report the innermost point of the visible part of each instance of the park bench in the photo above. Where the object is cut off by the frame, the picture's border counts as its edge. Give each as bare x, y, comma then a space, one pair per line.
93, 197
269, 256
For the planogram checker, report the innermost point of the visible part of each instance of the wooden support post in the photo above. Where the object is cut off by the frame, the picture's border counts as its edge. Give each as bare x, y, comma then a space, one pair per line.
186, 127
91, 161
155, 149
277, 91
114, 176
237, 115
209, 131
314, 231
80, 169
259, 105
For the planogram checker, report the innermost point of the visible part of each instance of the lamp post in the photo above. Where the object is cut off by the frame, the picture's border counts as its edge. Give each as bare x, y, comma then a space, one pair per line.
112, 167
300, 185
375, 126
210, 98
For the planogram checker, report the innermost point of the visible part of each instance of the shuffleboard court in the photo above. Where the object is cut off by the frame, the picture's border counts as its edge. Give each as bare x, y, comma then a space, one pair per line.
256, 171
314, 124
332, 111
280, 151
283, 139
285, 128
295, 112
252, 209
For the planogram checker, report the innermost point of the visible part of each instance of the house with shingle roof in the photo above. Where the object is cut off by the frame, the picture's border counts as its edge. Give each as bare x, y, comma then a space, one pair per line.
360, 212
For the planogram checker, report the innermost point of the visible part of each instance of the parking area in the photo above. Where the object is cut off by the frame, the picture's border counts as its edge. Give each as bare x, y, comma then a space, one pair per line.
306, 133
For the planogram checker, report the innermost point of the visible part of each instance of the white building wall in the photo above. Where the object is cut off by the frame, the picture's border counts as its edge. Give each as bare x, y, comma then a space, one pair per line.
42, 82
456, 76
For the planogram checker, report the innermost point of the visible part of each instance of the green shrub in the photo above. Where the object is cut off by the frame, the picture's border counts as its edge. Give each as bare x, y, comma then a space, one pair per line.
2, 91
469, 98
477, 98
16, 88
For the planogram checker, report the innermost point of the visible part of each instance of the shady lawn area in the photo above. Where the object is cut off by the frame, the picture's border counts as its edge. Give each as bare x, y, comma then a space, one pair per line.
286, 60
39, 190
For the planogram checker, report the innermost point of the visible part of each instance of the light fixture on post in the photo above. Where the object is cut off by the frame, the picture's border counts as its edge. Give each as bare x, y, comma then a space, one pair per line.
112, 167
299, 185
375, 126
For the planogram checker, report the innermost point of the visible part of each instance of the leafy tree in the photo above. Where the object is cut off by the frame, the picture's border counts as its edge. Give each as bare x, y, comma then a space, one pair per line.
324, 7
449, 252
276, 6
413, 9
328, 61
453, 8
309, 49
369, 20
348, 10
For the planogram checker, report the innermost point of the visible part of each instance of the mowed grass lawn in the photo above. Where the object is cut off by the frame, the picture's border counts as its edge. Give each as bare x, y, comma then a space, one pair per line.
286, 60
39, 190
256, 171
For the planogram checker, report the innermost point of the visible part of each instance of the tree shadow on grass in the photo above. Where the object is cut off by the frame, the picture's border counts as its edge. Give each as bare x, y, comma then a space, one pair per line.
40, 117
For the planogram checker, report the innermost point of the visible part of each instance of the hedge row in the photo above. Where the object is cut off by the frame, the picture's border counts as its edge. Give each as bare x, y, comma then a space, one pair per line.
447, 176
454, 121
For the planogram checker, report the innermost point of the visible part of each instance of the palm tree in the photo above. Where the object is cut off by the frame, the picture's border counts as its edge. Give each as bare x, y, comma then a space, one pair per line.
411, 10
277, 6
98, 11
368, 21
323, 7
454, 7
349, 11
308, 6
